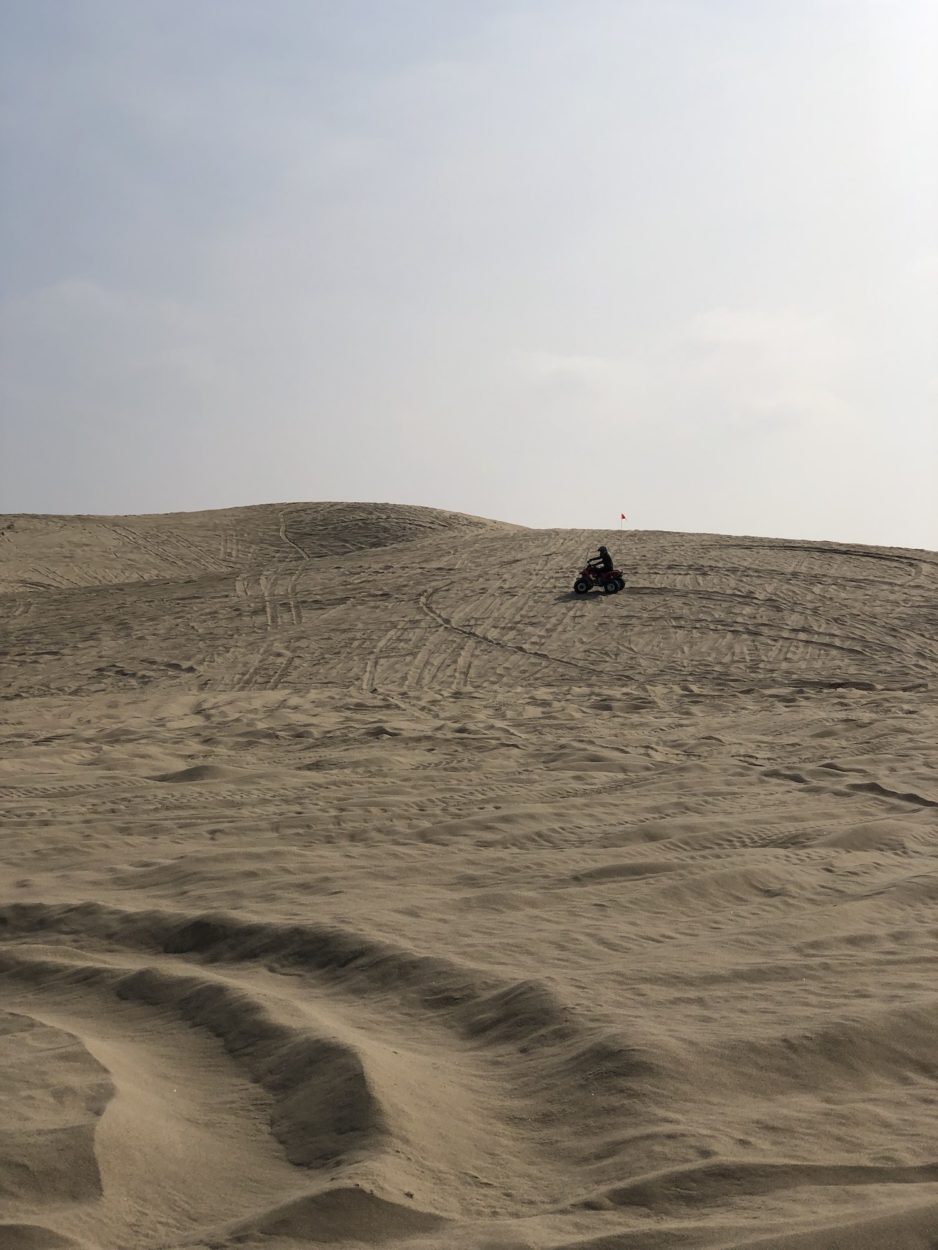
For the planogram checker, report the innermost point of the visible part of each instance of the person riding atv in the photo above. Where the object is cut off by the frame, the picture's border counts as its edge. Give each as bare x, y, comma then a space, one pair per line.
599, 571
603, 561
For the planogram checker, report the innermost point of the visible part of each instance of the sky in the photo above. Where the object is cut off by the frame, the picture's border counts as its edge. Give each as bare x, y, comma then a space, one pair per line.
540, 260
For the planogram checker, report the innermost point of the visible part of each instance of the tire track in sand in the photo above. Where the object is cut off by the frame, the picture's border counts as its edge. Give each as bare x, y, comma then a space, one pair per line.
426, 605
269, 667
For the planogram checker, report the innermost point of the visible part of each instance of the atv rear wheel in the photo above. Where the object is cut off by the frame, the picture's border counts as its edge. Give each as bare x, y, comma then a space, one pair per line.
612, 586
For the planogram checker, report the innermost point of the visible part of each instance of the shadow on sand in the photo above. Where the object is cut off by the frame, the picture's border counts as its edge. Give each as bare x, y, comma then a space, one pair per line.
594, 596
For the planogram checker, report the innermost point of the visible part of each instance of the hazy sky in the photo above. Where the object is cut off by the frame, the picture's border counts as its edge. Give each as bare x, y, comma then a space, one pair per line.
543, 260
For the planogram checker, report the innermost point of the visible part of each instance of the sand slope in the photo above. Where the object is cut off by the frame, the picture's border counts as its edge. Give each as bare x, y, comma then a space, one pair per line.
362, 886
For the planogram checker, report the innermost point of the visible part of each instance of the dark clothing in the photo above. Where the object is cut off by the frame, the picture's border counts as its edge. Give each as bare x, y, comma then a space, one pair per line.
602, 561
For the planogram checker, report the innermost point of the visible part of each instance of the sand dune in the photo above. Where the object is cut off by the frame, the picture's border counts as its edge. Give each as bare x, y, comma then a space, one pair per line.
361, 886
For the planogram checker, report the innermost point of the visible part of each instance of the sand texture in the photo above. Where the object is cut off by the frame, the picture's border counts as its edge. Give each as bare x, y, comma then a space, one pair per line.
361, 886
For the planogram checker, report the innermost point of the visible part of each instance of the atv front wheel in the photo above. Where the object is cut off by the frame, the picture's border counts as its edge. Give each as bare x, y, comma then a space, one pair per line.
581, 586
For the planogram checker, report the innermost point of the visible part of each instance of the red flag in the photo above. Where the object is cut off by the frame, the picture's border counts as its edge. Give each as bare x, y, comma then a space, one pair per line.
621, 516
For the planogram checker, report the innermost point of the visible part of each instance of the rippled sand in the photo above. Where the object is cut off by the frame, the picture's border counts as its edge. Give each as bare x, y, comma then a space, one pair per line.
360, 885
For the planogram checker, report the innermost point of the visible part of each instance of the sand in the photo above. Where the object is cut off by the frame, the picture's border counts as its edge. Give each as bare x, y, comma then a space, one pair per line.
362, 886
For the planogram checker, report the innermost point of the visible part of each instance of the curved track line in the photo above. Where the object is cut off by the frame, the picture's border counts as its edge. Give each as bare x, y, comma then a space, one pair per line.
367, 682
288, 540
435, 615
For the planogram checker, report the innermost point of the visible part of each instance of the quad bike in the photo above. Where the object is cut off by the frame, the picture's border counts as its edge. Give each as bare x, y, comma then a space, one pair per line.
592, 575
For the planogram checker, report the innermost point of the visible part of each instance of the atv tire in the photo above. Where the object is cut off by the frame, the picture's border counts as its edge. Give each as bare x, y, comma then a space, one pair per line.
581, 586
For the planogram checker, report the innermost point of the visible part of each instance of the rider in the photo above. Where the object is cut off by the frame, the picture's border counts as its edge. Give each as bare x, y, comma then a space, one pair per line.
603, 561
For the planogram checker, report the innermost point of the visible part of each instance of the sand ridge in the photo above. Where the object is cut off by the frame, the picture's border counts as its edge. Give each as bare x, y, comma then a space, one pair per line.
361, 885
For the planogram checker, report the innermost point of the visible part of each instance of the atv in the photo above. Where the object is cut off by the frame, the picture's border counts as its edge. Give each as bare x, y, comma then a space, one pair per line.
594, 575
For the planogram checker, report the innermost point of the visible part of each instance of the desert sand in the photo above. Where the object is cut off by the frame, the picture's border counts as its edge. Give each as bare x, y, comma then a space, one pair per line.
362, 886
